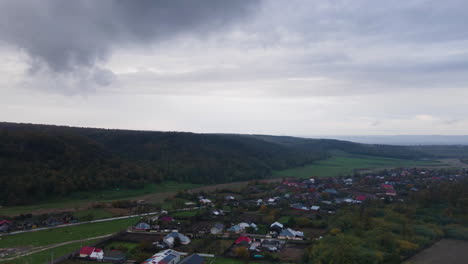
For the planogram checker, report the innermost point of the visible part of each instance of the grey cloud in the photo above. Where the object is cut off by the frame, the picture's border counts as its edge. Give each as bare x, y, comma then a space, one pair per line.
65, 36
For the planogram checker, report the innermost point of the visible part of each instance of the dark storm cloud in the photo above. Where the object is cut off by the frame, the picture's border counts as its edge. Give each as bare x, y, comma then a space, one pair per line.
64, 36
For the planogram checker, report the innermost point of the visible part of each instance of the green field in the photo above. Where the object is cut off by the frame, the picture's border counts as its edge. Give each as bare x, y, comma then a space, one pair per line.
94, 214
185, 214
63, 234
345, 165
46, 255
77, 199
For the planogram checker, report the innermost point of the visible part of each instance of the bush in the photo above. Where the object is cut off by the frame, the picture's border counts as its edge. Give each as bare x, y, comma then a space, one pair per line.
431, 232
456, 232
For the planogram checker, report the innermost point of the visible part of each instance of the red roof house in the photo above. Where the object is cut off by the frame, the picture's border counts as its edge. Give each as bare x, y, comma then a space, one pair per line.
361, 198
86, 251
243, 238
3, 222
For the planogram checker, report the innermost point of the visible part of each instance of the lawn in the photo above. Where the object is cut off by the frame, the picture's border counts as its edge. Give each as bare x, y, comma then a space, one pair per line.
45, 256
121, 244
345, 165
78, 199
185, 214
63, 234
93, 214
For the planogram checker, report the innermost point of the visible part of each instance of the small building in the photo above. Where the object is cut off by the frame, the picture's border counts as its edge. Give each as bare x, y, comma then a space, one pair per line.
243, 239
85, 252
167, 256
5, 225
271, 245
229, 198
97, 254
277, 227
193, 259
205, 201
361, 198
331, 191
166, 219
289, 233
170, 239
142, 227
238, 228
299, 206
315, 208
218, 228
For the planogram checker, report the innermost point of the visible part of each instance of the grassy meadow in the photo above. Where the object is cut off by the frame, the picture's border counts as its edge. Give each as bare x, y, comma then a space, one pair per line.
46, 255
78, 199
64, 234
341, 165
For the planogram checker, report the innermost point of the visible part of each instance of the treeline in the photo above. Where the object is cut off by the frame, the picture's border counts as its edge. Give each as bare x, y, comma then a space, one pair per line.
441, 151
37, 161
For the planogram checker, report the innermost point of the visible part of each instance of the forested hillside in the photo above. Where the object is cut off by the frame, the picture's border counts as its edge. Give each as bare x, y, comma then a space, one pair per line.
37, 161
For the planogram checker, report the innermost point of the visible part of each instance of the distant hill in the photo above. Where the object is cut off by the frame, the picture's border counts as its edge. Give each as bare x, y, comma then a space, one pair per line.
37, 161
407, 139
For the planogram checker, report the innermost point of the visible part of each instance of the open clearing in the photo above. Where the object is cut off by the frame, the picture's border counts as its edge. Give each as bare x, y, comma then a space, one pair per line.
82, 200
443, 252
46, 255
345, 165
64, 234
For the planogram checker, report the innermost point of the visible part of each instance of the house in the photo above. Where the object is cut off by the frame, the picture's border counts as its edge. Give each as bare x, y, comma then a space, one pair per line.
142, 227
114, 256
218, 212
217, 229
166, 219
315, 208
167, 256
288, 233
205, 201
348, 181
243, 240
238, 228
193, 259
5, 225
97, 254
271, 245
299, 206
85, 252
361, 198
276, 226
52, 221
331, 191
229, 198
170, 239
389, 190
255, 245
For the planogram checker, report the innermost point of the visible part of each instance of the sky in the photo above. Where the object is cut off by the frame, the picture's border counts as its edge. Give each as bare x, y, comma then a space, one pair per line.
297, 67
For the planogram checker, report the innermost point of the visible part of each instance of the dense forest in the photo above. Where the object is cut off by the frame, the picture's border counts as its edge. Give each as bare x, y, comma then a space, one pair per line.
37, 161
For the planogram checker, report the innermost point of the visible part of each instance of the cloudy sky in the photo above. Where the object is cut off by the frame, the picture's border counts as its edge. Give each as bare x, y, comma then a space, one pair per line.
338, 67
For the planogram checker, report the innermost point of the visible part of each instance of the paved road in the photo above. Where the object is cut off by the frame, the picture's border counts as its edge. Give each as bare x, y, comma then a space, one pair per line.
39, 249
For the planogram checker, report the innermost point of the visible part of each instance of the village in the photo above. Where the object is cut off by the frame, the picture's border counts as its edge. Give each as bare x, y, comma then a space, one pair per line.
263, 221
